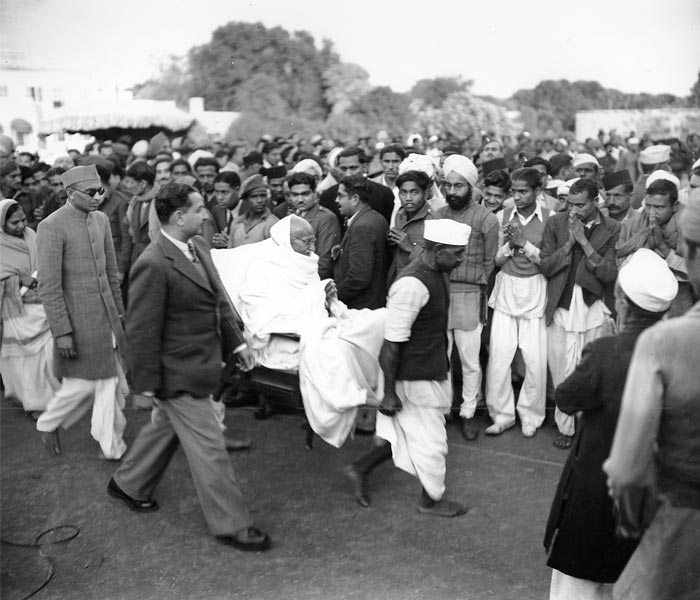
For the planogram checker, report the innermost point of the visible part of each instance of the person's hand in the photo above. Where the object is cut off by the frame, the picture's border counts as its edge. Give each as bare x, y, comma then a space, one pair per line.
400, 238
390, 405
120, 276
39, 213
331, 292
576, 230
219, 240
516, 237
26, 280
335, 252
660, 245
66, 346
246, 359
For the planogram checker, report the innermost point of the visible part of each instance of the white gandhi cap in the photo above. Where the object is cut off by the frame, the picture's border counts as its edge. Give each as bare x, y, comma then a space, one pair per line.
447, 231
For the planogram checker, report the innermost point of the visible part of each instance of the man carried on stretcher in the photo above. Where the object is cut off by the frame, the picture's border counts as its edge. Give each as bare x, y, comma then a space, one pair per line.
276, 290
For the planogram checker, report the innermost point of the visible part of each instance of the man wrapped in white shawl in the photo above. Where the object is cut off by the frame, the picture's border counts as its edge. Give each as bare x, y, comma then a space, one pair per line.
275, 288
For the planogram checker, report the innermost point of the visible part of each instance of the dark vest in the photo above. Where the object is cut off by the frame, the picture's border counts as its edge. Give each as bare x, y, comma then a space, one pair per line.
424, 355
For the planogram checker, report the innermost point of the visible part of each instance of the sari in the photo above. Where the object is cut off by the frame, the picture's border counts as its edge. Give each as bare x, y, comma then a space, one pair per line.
26, 344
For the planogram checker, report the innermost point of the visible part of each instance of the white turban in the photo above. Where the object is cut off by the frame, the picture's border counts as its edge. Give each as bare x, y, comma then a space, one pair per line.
197, 154
418, 162
333, 156
566, 186
447, 231
646, 280
309, 166
462, 166
656, 175
583, 159
140, 149
696, 165
654, 155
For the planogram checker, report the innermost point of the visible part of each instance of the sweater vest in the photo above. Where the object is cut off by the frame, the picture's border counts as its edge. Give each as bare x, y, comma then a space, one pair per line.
424, 355
520, 265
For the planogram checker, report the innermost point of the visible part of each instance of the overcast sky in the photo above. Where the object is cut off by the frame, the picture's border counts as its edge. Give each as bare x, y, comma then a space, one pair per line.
631, 45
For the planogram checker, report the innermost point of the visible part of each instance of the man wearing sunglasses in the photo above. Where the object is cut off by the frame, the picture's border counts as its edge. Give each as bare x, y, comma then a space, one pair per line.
79, 288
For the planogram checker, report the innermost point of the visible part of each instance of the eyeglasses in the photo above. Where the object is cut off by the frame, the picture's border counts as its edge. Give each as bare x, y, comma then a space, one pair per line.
344, 195
308, 241
91, 192
457, 187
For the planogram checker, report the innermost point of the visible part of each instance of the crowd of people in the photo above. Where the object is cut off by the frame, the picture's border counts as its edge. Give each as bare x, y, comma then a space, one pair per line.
441, 277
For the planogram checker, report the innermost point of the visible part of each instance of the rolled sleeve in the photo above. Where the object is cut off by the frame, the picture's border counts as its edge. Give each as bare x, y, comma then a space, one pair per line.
407, 296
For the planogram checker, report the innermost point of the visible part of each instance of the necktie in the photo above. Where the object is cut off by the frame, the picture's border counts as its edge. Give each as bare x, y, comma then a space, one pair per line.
196, 262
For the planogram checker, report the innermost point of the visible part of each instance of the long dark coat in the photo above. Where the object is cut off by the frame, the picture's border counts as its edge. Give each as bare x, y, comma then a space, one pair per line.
79, 288
580, 536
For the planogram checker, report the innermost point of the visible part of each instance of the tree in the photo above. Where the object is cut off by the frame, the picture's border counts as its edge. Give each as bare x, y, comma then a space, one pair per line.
695, 93
433, 92
345, 84
171, 83
239, 51
383, 108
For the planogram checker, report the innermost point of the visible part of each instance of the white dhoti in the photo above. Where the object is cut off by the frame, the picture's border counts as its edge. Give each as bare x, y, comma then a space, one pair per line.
567, 336
339, 371
26, 358
417, 432
107, 398
565, 587
518, 322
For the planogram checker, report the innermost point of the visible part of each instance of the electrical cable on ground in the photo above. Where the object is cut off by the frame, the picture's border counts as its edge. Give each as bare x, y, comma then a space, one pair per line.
73, 532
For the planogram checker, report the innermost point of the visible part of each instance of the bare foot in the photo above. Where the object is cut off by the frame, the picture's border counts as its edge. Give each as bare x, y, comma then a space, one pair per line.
49, 439
358, 484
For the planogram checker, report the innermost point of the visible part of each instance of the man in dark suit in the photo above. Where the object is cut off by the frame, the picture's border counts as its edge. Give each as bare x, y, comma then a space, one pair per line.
580, 539
362, 259
353, 161
578, 260
179, 312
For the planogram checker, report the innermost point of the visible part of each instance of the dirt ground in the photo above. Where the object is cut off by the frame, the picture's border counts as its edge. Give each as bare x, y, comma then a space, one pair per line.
325, 545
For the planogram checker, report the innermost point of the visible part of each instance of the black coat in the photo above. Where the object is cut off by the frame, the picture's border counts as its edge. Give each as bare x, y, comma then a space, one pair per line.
580, 536
381, 199
361, 268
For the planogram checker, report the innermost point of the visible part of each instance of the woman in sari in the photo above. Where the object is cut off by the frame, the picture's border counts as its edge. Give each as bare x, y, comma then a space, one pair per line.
26, 344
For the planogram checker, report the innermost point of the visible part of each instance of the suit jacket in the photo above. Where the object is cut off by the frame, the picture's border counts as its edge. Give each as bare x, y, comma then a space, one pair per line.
597, 273
381, 199
179, 325
114, 206
361, 269
580, 535
79, 288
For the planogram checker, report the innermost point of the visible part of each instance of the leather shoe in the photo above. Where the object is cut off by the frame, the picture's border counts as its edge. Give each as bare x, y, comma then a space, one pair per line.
358, 484
236, 444
469, 428
136, 505
248, 539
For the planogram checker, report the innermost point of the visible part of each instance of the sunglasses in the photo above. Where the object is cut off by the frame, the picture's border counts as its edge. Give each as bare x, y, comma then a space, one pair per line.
91, 192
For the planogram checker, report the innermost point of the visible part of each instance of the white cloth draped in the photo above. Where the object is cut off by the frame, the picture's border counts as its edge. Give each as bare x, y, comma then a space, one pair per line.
278, 291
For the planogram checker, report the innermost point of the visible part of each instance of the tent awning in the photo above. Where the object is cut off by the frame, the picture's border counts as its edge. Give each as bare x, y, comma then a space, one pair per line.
21, 126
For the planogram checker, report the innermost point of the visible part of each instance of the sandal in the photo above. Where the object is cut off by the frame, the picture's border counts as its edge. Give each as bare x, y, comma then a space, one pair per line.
563, 442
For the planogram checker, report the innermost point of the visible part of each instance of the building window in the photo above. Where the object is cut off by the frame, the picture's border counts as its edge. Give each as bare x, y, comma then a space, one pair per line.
35, 93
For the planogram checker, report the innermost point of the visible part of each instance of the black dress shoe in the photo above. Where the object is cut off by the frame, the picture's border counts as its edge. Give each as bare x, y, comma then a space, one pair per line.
248, 539
469, 428
49, 440
136, 505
